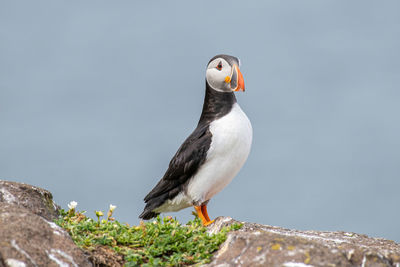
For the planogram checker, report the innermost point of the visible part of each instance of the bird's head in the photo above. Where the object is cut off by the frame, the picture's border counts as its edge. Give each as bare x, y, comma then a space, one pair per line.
223, 74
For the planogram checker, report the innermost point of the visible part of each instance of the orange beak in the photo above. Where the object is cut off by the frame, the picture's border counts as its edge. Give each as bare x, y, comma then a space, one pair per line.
237, 82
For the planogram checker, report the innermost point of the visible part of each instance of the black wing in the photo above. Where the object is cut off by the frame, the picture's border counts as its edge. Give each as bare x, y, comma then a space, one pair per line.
182, 167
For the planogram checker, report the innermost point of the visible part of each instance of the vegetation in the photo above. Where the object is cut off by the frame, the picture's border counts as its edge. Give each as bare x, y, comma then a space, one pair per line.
162, 242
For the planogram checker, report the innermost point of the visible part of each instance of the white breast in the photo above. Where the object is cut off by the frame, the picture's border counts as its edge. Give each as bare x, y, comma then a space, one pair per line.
229, 149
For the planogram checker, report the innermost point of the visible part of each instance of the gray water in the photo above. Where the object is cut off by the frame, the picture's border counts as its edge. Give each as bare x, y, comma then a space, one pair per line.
95, 98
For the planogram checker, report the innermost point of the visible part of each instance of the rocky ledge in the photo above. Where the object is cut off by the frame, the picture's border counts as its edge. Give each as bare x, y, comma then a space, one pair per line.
28, 237
264, 245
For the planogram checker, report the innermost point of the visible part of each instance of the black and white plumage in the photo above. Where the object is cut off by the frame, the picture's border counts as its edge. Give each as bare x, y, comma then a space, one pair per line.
213, 154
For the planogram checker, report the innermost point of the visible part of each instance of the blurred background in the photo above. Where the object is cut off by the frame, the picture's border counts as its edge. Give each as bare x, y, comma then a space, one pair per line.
95, 99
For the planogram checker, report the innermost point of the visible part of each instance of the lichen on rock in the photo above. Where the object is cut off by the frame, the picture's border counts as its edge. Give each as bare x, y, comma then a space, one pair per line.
39, 201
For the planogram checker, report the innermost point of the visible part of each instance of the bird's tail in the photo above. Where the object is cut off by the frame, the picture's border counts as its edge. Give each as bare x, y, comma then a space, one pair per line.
148, 214
152, 203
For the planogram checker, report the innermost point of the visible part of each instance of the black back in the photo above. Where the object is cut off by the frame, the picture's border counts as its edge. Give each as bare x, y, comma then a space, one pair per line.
191, 154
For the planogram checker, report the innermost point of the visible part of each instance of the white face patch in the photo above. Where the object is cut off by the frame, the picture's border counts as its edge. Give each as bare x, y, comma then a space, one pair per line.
216, 76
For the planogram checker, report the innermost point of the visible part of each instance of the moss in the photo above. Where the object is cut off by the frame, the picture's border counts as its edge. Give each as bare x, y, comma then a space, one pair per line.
162, 242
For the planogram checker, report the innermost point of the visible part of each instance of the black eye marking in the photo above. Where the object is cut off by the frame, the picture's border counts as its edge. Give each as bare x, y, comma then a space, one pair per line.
219, 66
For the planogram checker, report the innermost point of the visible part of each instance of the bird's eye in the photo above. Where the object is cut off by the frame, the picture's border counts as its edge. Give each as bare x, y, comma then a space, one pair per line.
219, 66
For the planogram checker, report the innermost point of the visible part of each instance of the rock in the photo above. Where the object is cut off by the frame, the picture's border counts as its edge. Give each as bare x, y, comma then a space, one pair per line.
35, 199
27, 239
263, 245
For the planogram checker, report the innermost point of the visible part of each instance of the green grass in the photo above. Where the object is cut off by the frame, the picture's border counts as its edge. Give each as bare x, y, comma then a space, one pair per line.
162, 242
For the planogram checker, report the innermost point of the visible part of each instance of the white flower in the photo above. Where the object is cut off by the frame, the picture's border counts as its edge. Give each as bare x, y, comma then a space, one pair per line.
72, 205
112, 207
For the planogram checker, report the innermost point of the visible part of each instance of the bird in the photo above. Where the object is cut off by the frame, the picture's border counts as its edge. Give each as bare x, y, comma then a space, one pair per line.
214, 152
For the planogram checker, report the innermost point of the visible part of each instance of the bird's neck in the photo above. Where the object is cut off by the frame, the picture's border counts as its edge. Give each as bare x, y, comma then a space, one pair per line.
216, 104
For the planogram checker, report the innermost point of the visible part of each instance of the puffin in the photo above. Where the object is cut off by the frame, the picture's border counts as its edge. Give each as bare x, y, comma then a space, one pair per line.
214, 152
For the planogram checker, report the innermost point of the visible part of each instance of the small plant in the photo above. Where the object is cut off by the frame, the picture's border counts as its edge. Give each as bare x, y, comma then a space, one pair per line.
162, 242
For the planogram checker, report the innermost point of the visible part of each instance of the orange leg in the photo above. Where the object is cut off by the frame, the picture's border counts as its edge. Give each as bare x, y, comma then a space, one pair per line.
200, 214
203, 215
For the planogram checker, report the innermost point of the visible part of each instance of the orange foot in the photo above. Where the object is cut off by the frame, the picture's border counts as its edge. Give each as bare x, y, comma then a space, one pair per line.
203, 214
208, 223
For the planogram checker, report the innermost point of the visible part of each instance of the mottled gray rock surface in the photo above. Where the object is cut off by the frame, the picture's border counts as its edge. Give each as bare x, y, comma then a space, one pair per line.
28, 237
35, 199
263, 245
